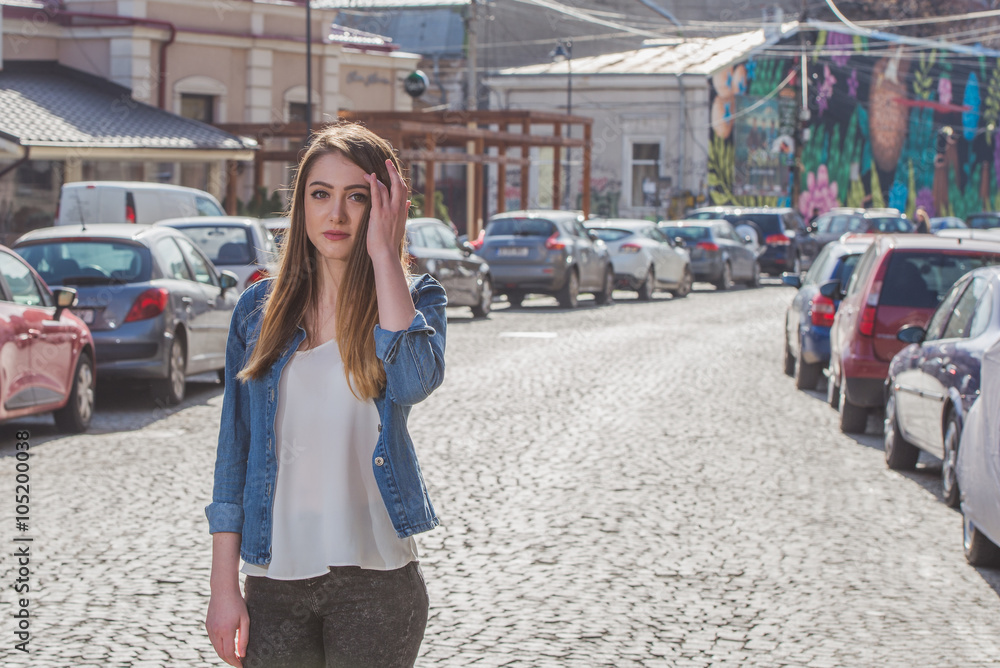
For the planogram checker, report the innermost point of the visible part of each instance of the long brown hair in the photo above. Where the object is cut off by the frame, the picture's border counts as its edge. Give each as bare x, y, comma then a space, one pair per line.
296, 288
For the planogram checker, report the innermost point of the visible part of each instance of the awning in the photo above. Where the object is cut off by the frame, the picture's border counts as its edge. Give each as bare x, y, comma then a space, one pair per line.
60, 113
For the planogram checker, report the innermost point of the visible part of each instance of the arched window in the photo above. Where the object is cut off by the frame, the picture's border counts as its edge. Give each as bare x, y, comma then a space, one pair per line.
201, 98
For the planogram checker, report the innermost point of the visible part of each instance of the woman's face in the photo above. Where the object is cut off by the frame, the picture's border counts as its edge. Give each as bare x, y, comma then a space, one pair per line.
336, 198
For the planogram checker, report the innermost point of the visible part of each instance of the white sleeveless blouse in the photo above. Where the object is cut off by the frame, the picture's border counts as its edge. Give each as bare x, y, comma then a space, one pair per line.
327, 507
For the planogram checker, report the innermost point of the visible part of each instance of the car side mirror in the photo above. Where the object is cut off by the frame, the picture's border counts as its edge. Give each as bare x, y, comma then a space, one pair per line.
679, 241
792, 279
831, 290
467, 248
592, 235
911, 334
228, 280
65, 298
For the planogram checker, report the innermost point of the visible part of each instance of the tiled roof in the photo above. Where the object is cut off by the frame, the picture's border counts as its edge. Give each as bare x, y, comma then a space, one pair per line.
46, 104
694, 55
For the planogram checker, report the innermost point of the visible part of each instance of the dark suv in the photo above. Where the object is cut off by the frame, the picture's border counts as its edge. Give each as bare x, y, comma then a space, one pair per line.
547, 252
787, 244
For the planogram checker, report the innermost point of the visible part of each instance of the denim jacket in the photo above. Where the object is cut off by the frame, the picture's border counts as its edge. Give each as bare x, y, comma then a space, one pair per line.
246, 466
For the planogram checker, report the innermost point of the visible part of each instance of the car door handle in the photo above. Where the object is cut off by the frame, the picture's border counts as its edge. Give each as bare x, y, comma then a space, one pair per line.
35, 334
187, 301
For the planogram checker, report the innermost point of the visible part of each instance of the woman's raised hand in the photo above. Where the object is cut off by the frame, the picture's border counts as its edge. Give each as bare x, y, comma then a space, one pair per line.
387, 222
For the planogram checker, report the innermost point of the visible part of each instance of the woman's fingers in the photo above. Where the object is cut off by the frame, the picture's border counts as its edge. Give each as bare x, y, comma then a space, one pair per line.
244, 636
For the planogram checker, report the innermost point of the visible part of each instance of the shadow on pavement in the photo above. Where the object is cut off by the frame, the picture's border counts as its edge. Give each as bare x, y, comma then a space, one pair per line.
120, 407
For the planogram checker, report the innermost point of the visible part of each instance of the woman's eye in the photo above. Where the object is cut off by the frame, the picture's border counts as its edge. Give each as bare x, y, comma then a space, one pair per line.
359, 197
319, 194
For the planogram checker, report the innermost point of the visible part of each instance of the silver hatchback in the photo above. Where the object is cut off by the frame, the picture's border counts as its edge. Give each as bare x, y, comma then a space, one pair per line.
546, 252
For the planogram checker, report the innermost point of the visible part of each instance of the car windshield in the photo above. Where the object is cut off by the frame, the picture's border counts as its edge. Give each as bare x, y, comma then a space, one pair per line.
70, 262
705, 215
609, 233
223, 244
687, 232
983, 222
769, 223
520, 227
845, 267
888, 225
920, 279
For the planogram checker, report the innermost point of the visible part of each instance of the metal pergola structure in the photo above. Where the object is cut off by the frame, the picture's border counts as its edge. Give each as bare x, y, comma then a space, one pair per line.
420, 137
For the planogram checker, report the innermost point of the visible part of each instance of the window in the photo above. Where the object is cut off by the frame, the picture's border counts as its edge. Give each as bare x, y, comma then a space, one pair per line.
824, 225
935, 328
984, 312
88, 262
520, 227
609, 234
819, 269
792, 221
415, 235
645, 175
860, 274
23, 289
207, 207
223, 244
297, 112
919, 279
198, 107
202, 272
172, 260
448, 239
838, 225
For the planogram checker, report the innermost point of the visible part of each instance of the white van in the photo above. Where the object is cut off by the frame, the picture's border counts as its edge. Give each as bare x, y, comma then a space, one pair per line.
92, 202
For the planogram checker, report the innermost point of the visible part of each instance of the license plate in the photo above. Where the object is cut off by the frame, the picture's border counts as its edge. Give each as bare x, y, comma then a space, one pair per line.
85, 314
512, 251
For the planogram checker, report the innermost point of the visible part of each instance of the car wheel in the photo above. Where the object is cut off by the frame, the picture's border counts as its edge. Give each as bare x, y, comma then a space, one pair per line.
482, 309
570, 292
515, 299
75, 416
949, 464
754, 281
726, 280
684, 289
789, 359
979, 550
170, 390
900, 454
806, 374
646, 289
606, 297
853, 418
832, 391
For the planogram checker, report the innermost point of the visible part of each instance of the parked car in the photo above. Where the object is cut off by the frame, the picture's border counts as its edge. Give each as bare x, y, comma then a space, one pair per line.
645, 259
934, 380
986, 220
278, 227
840, 221
46, 352
788, 243
718, 254
810, 315
233, 243
97, 202
547, 252
947, 223
156, 306
978, 468
899, 281
434, 249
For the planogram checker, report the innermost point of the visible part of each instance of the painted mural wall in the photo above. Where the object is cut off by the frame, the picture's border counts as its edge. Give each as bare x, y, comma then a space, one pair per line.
891, 125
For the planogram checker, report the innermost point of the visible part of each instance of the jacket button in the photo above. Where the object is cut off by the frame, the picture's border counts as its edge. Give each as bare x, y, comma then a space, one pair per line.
379, 461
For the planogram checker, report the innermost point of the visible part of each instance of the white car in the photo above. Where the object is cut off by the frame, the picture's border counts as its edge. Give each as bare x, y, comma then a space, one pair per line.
644, 259
95, 202
234, 243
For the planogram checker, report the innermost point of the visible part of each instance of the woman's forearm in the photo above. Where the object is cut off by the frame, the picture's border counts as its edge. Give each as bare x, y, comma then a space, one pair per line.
395, 305
225, 561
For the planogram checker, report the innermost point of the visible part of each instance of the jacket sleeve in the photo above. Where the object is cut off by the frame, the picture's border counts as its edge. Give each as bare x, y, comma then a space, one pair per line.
225, 513
414, 358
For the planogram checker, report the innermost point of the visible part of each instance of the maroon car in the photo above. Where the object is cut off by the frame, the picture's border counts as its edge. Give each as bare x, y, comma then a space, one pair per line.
46, 352
899, 281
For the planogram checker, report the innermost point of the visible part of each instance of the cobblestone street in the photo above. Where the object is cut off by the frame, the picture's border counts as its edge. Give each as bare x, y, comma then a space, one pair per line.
634, 485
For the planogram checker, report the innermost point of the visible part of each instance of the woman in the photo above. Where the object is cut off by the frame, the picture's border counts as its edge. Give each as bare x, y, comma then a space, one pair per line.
317, 485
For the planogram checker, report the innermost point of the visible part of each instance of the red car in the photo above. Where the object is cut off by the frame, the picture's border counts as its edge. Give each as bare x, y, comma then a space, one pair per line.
46, 352
899, 281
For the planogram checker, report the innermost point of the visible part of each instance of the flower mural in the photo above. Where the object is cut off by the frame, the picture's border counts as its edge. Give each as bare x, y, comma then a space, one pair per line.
891, 125
820, 194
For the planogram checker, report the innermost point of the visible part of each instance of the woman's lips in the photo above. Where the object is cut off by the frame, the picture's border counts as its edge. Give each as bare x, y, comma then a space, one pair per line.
333, 235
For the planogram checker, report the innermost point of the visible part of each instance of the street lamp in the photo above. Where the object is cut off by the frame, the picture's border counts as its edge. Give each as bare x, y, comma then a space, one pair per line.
564, 52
